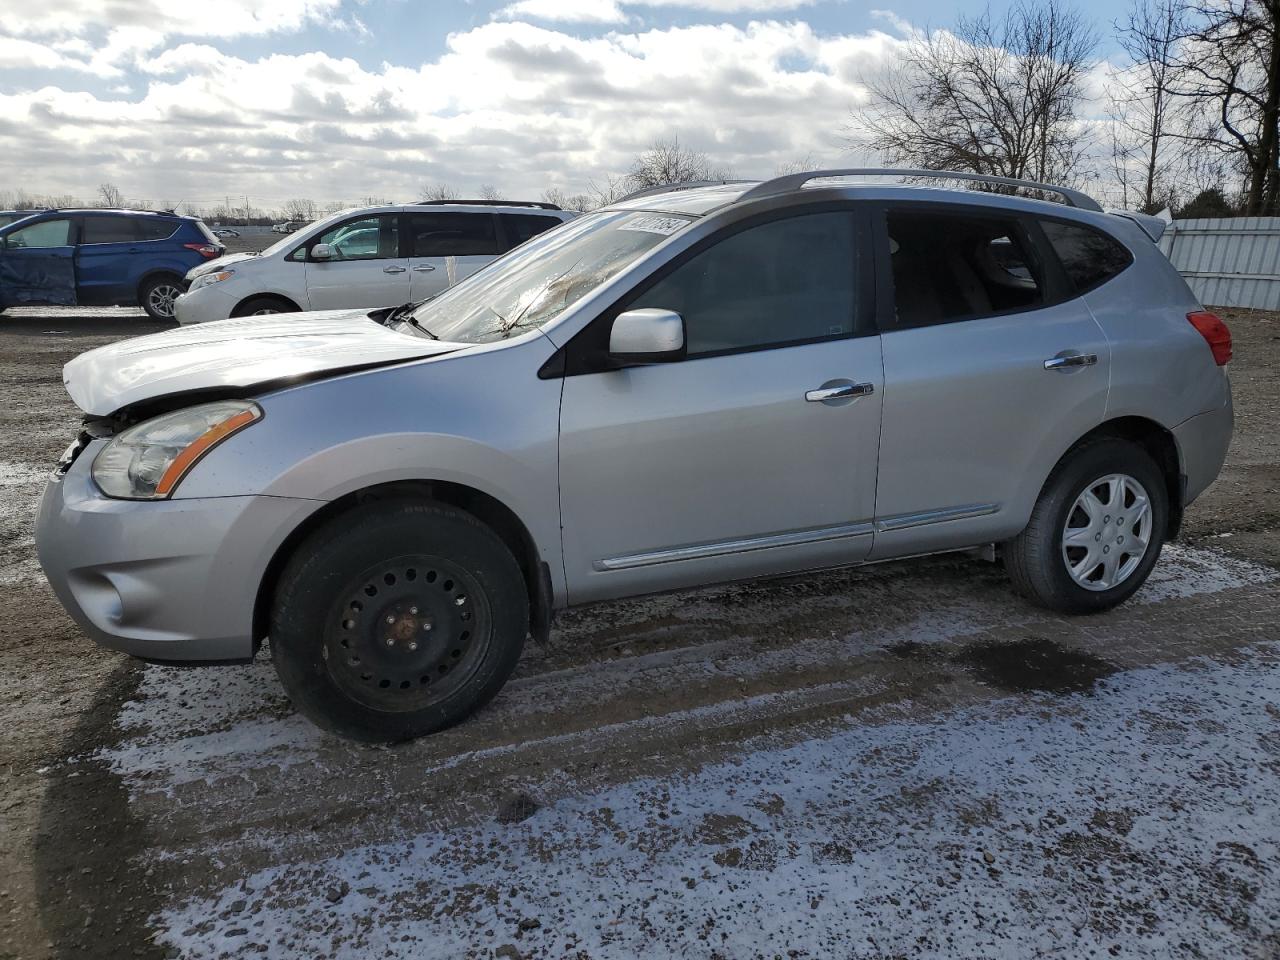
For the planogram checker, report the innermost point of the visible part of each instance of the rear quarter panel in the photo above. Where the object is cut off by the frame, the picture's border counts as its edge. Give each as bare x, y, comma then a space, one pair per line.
1161, 367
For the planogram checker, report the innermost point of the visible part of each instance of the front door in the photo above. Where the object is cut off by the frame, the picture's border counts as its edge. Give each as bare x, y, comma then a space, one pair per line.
364, 268
993, 368
448, 246
37, 264
742, 459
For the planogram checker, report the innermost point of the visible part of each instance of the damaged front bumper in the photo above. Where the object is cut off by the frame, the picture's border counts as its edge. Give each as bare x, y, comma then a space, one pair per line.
169, 580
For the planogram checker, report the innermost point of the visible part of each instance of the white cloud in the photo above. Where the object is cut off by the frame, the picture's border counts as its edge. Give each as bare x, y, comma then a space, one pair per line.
509, 103
568, 11
611, 11
226, 18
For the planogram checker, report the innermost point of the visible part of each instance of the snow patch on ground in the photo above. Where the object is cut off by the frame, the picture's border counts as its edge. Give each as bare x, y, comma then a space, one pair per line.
1189, 571
201, 724
20, 486
1028, 826
189, 724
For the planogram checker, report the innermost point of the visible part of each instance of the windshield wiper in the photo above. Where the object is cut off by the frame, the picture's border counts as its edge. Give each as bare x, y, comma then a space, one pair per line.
404, 313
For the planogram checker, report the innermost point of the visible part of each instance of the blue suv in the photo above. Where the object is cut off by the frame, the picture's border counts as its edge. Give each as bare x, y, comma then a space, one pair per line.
102, 258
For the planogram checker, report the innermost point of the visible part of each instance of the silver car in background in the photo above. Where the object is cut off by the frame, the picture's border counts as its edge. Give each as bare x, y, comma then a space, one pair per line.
690, 386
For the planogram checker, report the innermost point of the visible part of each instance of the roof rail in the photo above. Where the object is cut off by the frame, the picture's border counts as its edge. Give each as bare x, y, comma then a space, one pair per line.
794, 181
164, 213
540, 204
673, 187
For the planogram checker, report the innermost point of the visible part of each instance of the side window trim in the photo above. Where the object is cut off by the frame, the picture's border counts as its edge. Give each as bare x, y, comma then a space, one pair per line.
1057, 287
582, 355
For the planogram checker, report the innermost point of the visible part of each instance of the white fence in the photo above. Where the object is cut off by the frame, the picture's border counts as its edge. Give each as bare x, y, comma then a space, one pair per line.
1229, 262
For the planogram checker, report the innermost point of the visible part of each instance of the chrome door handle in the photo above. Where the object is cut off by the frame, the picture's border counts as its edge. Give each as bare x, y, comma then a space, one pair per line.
423, 268
1071, 360
842, 391
393, 269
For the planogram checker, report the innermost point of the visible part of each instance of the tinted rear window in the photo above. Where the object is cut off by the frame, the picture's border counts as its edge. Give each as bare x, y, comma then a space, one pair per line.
109, 230
453, 235
521, 226
1089, 256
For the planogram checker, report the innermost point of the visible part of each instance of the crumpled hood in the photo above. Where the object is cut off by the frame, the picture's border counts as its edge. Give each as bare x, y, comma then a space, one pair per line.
220, 263
237, 353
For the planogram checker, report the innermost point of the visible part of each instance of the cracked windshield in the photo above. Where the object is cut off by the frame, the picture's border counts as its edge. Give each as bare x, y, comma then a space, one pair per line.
542, 278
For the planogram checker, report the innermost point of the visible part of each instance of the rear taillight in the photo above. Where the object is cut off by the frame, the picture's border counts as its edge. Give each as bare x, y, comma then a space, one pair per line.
206, 250
1215, 334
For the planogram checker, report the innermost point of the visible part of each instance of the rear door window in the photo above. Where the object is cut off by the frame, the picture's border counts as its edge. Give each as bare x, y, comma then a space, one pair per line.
520, 227
453, 235
109, 230
1089, 257
950, 266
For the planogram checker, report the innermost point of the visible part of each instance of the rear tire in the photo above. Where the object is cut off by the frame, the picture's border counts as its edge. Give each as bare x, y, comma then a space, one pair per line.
398, 619
262, 306
1096, 530
157, 296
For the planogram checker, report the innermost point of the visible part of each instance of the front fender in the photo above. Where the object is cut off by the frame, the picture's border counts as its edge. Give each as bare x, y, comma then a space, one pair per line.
480, 419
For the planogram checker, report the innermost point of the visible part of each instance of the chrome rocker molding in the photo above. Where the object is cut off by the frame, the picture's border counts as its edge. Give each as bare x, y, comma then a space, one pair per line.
702, 550
905, 520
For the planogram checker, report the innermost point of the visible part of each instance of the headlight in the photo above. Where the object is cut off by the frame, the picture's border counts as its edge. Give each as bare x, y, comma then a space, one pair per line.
147, 461
211, 278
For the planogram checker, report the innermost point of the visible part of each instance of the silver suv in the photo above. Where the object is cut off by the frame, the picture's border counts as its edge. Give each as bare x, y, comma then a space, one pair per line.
690, 386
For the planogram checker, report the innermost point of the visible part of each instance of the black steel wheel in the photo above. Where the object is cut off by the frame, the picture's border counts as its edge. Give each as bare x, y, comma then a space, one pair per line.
407, 633
397, 619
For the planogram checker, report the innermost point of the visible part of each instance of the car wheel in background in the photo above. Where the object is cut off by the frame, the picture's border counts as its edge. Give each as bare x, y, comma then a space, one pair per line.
261, 306
157, 297
398, 619
1095, 532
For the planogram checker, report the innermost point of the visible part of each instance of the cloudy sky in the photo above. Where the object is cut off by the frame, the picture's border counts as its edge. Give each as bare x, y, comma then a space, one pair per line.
333, 99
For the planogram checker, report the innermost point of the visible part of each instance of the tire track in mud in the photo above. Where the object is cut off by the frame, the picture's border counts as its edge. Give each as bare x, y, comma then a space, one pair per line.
226, 777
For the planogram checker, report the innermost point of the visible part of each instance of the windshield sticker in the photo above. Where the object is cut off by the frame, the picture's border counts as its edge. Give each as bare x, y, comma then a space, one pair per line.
661, 225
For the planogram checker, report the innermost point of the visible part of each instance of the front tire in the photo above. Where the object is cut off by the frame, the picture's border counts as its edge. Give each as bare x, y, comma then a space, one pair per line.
1096, 530
263, 306
398, 619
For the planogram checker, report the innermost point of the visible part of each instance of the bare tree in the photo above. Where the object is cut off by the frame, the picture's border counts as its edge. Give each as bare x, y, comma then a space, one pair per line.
1229, 74
438, 191
666, 162
489, 192
109, 195
801, 164
1143, 110
556, 195
996, 96
299, 210
578, 202
606, 192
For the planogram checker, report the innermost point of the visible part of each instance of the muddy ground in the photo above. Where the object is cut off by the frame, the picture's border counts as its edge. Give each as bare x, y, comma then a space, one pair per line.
898, 761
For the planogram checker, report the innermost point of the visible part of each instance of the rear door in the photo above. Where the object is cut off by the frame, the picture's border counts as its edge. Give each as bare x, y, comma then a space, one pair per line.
365, 269
105, 268
992, 366
447, 246
37, 264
